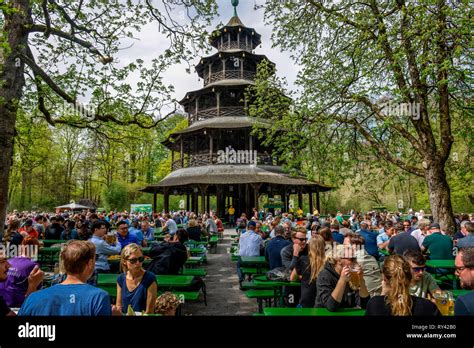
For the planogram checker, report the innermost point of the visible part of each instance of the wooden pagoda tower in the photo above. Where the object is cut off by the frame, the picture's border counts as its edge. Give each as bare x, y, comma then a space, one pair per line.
217, 155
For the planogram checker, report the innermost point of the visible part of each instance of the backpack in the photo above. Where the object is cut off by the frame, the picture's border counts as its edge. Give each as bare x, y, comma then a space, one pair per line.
279, 274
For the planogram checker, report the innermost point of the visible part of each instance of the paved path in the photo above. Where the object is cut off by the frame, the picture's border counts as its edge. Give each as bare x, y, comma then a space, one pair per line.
223, 294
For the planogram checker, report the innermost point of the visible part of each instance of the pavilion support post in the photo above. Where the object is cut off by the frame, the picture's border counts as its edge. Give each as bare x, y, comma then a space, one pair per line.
172, 159
154, 201
310, 196
300, 198
166, 200
283, 199
211, 145
181, 151
188, 208
203, 189
256, 189
318, 206
218, 104
208, 202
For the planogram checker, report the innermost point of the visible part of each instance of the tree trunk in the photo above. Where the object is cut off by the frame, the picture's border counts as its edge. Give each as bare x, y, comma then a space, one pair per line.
440, 197
12, 82
24, 186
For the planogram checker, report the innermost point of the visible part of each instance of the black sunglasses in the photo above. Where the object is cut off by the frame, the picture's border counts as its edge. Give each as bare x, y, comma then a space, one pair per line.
418, 269
301, 239
138, 259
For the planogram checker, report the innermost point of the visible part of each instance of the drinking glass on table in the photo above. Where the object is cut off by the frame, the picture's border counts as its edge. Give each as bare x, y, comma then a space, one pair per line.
445, 302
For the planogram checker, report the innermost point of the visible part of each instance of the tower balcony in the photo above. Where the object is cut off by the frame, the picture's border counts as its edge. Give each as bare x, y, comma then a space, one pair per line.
234, 46
229, 75
205, 159
223, 111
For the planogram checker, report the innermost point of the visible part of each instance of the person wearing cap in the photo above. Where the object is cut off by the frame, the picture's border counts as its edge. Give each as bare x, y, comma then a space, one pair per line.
28, 230
250, 244
437, 244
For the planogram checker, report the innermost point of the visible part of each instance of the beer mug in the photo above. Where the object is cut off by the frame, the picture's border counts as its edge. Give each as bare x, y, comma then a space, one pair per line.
354, 282
443, 302
110, 238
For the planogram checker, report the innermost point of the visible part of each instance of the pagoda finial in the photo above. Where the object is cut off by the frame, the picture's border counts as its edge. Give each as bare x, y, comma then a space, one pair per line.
235, 3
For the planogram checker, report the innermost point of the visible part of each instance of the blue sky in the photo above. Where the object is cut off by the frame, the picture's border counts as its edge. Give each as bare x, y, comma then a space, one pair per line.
149, 45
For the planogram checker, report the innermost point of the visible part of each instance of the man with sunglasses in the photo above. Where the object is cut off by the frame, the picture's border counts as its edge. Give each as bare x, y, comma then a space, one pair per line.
464, 265
423, 284
290, 253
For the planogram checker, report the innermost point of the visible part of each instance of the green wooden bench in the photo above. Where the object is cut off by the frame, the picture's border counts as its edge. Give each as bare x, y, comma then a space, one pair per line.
199, 272
213, 243
253, 271
185, 295
261, 295
246, 285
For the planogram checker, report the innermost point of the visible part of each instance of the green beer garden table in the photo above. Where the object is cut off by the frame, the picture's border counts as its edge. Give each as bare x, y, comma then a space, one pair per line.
258, 261
276, 285
168, 281
439, 265
49, 255
48, 242
318, 312
446, 264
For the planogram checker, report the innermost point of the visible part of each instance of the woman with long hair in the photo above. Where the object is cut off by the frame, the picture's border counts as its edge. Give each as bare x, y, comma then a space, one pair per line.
396, 299
135, 286
307, 269
12, 234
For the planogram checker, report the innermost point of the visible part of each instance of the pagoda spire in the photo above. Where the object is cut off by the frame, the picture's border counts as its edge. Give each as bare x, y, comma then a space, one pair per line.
235, 3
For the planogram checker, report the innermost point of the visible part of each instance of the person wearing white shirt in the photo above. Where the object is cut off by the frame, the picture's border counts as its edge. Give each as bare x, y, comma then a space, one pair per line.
422, 231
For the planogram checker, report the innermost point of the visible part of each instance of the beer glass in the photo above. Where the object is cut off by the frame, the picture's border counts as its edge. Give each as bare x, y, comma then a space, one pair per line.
110, 238
354, 282
442, 302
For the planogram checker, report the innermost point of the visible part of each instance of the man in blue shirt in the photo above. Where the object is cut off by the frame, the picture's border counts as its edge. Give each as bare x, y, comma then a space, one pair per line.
250, 244
102, 249
147, 231
338, 237
73, 297
370, 238
464, 264
124, 237
274, 246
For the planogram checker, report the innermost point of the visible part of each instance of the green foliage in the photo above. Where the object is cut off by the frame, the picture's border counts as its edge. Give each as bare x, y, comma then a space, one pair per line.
355, 57
115, 196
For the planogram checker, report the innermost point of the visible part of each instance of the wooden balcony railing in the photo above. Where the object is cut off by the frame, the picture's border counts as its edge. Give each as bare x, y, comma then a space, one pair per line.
234, 45
229, 75
205, 159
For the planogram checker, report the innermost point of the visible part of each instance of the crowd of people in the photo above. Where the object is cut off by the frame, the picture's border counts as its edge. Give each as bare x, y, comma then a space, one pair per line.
375, 261
87, 241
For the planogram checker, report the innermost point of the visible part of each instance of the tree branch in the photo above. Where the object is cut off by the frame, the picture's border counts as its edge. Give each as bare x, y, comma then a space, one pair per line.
40, 73
47, 18
381, 117
379, 147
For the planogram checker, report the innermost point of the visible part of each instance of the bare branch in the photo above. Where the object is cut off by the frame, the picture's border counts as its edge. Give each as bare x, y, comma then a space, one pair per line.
379, 147
47, 18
